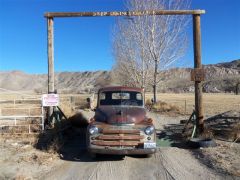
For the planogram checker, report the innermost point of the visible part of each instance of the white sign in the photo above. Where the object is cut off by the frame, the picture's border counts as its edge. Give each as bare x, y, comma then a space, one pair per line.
50, 100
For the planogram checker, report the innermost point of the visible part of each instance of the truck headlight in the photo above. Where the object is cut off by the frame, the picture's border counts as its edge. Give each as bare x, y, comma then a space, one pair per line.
149, 130
93, 130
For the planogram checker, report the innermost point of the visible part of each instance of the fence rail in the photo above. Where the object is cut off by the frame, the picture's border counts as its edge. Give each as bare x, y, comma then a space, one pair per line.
19, 113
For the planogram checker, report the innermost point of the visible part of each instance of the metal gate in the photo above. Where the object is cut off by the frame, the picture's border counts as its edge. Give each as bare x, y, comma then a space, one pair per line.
21, 116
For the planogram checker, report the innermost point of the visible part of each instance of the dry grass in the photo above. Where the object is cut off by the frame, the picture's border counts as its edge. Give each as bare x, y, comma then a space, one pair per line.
18, 153
212, 103
71, 103
162, 107
224, 158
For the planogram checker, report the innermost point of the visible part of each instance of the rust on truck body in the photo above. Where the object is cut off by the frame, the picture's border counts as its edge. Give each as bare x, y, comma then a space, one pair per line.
115, 143
119, 137
120, 131
120, 123
122, 88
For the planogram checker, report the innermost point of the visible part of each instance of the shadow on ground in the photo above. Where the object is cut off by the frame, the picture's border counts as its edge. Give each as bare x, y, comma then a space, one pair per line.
74, 148
70, 143
224, 126
171, 136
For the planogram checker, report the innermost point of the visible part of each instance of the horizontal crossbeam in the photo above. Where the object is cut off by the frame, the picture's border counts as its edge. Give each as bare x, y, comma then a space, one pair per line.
123, 13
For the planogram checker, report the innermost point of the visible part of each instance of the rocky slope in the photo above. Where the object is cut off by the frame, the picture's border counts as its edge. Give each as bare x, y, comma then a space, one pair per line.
221, 77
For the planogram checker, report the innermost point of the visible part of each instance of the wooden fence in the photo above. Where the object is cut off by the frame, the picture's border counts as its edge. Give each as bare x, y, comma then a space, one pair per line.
21, 116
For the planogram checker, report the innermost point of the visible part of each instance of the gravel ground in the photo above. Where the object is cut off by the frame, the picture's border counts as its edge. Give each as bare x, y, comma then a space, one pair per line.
20, 160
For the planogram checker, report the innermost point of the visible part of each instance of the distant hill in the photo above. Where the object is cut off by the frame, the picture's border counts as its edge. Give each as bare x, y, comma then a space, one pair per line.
220, 77
233, 65
65, 82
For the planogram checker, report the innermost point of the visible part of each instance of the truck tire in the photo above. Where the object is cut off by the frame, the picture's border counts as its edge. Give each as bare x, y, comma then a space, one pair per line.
201, 142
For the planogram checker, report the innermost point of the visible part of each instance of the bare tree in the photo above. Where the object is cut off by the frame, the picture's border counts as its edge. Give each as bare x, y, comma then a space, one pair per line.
131, 67
146, 45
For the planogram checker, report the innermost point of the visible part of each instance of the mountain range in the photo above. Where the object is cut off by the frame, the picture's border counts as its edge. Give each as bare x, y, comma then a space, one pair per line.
221, 77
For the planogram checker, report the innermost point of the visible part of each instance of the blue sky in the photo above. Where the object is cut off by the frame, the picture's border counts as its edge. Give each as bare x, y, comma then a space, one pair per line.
83, 44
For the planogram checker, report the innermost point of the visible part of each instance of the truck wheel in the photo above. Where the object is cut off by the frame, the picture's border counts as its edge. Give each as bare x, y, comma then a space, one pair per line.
200, 142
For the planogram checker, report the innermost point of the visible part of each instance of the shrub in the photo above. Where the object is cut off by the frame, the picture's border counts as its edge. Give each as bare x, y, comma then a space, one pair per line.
161, 106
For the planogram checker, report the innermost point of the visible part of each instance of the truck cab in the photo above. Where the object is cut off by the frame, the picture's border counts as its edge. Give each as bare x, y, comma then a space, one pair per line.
120, 125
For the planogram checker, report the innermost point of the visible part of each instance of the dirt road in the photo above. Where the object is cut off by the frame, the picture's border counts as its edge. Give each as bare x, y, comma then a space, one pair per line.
167, 163
19, 160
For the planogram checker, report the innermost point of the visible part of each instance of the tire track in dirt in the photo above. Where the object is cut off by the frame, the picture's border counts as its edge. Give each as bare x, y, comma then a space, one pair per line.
167, 164
111, 170
117, 169
94, 172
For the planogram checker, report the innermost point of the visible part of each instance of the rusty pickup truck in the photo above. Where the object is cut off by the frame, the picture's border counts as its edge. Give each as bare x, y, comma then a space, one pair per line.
120, 125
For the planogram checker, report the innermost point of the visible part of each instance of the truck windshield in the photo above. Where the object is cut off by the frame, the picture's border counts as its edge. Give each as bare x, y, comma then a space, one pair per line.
129, 98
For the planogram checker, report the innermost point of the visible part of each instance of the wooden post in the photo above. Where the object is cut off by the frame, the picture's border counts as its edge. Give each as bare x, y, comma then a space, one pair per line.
198, 64
42, 114
50, 61
185, 105
50, 56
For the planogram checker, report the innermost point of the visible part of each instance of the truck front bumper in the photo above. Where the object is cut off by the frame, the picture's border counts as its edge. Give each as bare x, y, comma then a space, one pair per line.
122, 151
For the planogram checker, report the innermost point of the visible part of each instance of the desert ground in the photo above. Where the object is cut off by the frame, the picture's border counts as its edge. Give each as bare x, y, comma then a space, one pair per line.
22, 159
212, 103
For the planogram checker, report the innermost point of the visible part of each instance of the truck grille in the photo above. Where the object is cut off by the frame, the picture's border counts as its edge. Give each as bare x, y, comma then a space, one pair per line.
119, 138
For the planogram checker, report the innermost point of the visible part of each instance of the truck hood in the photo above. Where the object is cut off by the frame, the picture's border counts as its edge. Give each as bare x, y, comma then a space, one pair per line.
120, 114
